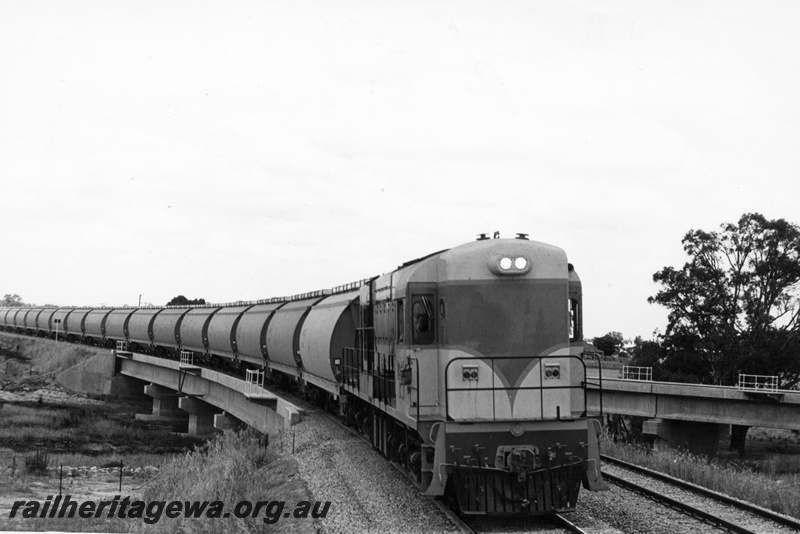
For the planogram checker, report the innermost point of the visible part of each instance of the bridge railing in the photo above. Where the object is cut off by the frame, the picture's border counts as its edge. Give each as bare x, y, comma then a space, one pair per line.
631, 372
762, 383
254, 379
187, 358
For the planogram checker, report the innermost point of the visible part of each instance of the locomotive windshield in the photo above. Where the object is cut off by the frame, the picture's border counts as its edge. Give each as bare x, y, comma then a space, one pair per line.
506, 318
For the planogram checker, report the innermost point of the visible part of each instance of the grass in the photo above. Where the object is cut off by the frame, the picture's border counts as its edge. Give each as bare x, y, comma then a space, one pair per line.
78, 429
37, 463
232, 468
774, 485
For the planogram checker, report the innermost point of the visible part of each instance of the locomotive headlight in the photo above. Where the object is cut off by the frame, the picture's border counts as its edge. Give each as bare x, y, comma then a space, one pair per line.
510, 265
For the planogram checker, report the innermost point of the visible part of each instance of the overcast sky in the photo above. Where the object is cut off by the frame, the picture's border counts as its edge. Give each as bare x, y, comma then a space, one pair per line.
242, 150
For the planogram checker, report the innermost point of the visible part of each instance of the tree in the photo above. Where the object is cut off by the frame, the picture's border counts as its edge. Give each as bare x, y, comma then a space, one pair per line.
12, 301
609, 343
734, 306
180, 300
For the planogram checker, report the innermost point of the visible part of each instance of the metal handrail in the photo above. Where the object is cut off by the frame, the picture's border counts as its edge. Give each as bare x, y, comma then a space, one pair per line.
760, 383
495, 388
631, 372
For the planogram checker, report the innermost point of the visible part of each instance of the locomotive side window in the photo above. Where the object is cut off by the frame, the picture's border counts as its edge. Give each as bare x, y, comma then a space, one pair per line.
423, 320
574, 320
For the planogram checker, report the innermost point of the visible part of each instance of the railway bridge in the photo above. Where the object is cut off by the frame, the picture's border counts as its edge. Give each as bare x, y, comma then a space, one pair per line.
188, 396
694, 416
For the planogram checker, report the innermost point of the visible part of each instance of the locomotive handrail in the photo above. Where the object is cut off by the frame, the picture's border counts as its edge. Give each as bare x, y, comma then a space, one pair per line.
416, 361
494, 388
599, 383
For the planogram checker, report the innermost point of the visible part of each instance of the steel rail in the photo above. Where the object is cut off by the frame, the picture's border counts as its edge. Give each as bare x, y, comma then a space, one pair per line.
746, 506
568, 525
682, 507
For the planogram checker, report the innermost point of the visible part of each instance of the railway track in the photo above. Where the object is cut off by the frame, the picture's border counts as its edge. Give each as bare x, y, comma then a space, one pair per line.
712, 508
556, 523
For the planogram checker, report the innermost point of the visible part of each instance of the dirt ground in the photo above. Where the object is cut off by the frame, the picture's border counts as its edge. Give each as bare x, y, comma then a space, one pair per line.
78, 463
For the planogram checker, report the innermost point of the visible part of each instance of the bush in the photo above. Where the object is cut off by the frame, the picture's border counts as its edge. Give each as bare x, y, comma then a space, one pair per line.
36, 463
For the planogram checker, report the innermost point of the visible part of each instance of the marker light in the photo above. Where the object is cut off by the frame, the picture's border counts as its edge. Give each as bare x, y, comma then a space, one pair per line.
469, 372
552, 371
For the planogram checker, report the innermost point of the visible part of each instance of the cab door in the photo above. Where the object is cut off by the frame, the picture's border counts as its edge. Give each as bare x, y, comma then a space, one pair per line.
422, 335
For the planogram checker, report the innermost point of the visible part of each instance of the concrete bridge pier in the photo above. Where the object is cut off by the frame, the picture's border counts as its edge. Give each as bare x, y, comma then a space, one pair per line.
696, 437
225, 421
165, 407
201, 415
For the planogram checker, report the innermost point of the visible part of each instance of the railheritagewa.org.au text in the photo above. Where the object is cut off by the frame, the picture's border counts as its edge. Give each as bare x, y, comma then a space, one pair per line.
150, 512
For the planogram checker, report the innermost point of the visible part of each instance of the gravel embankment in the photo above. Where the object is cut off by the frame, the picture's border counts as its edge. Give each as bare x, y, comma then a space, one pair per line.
724, 511
366, 494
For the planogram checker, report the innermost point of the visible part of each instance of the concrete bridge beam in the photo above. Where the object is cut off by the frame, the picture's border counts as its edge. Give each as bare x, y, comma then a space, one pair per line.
696, 437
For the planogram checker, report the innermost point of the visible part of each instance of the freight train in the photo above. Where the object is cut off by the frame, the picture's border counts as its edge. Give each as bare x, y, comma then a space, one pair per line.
464, 366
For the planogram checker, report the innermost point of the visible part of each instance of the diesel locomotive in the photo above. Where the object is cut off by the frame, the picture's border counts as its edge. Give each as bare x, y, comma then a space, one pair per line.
464, 366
